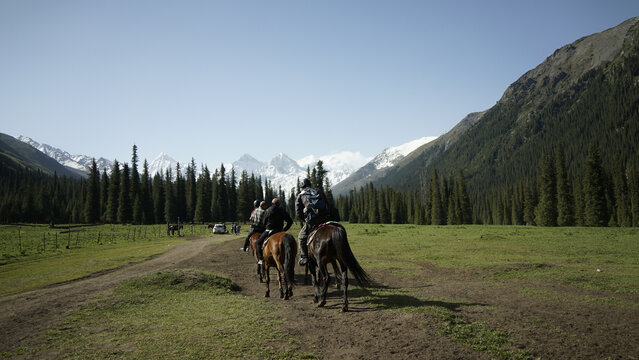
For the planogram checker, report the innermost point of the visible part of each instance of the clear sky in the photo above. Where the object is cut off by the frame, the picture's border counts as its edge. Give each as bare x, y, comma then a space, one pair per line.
213, 80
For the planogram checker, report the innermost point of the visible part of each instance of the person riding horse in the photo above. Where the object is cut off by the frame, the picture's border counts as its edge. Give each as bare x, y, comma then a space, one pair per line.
274, 218
312, 217
257, 222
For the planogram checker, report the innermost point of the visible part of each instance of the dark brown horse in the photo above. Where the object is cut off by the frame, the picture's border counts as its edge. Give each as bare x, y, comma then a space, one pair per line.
327, 244
280, 251
253, 242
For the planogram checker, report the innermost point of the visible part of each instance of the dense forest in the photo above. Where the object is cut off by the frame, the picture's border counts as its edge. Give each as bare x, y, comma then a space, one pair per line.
126, 196
596, 197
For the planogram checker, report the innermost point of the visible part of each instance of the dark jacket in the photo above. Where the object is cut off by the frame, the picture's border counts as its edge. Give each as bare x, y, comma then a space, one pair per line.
274, 218
301, 205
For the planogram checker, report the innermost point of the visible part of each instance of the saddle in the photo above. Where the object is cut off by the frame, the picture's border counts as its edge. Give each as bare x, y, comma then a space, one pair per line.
311, 237
267, 239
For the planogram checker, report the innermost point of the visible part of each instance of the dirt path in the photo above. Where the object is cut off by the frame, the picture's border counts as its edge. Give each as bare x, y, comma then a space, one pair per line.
553, 328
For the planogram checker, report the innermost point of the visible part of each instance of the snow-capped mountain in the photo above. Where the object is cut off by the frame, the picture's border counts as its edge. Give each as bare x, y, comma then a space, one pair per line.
80, 164
392, 155
163, 162
284, 171
378, 166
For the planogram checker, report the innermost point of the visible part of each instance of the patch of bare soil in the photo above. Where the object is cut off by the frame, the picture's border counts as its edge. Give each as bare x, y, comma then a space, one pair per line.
560, 324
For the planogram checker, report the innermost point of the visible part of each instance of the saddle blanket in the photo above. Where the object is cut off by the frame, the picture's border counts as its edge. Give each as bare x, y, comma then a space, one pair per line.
312, 235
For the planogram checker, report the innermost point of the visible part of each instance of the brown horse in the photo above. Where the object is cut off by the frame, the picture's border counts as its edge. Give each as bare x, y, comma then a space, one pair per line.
327, 244
253, 242
280, 251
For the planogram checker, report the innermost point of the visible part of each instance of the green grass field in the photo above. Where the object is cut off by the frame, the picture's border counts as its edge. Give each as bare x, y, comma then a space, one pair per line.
34, 255
197, 314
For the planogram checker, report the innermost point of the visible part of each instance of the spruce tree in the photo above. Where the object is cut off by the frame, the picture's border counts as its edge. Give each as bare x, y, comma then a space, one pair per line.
530, 203
232, 197
595, 211
191, 191
170, 211
125, 206
159, 199
114, 194
135, 186
622, 196
436, 217
547, 206
180, 195
204, 196
565, 200
104, 195
146, 192
92, 202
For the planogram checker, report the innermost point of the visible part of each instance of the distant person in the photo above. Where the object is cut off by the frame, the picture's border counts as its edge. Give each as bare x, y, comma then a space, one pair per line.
274, 218
257, 222
312, 208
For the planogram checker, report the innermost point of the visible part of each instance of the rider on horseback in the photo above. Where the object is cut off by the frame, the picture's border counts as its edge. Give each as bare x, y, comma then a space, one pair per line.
312, 207
274, 218
257, 221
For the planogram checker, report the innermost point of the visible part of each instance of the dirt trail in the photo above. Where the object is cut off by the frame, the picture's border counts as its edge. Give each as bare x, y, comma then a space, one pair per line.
552, 328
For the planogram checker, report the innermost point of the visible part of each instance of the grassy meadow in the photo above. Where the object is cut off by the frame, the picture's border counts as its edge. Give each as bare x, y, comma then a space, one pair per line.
35, 255
197, 315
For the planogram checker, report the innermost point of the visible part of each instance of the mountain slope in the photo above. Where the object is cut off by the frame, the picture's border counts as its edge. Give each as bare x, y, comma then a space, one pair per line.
586, 91
380, 164
79, 164
15, 154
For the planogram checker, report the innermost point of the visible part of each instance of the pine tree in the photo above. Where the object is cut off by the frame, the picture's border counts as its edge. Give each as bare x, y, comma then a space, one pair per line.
595, 212
135, 187
436, 217
204, 196
104, 195
579, 203
159, 199
114, 194
92, 202
180, 194
146, 193
191, 191
170, 211
244, 200
232, 197
125, 206
622, 196
547, 206
565, 200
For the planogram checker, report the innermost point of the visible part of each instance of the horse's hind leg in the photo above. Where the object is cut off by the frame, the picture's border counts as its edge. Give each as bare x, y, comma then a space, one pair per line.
268, 280
279, 280
323, 271
345, 283
337, 272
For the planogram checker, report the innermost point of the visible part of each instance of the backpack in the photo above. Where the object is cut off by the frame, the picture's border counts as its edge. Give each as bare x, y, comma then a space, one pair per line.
315, 204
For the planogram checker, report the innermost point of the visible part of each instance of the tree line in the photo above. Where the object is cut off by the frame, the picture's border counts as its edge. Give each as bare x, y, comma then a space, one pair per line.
126, 196
597, 196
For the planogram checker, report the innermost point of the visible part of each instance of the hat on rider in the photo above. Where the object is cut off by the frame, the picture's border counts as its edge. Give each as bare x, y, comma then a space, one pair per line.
306, 183
256, 203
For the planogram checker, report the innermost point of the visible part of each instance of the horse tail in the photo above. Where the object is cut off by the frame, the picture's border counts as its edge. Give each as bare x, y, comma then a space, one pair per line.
290, 252
345, 255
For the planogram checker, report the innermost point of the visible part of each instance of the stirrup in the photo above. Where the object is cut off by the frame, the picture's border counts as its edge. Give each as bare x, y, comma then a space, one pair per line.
259, 262
303, 260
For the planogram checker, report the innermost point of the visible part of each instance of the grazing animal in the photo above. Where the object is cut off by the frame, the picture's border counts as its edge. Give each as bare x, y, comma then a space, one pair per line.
171, 229
280, 251
325, 245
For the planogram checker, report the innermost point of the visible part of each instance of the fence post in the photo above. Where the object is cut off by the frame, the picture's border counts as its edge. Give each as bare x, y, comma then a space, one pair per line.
19, 241
44, 242
99, 233
56, 240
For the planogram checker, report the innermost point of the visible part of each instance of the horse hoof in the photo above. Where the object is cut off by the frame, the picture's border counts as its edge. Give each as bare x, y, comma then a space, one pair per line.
315, 300
267, 295
321, 304
345, 309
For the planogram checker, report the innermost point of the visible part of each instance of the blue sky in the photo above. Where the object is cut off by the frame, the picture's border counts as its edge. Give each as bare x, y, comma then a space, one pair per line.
213, 80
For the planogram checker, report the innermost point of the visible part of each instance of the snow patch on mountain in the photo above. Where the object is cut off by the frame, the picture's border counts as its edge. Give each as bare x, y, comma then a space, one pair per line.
392, 155
81, 163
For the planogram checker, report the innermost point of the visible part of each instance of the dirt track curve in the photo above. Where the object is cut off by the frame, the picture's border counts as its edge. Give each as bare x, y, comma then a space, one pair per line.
552, 329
